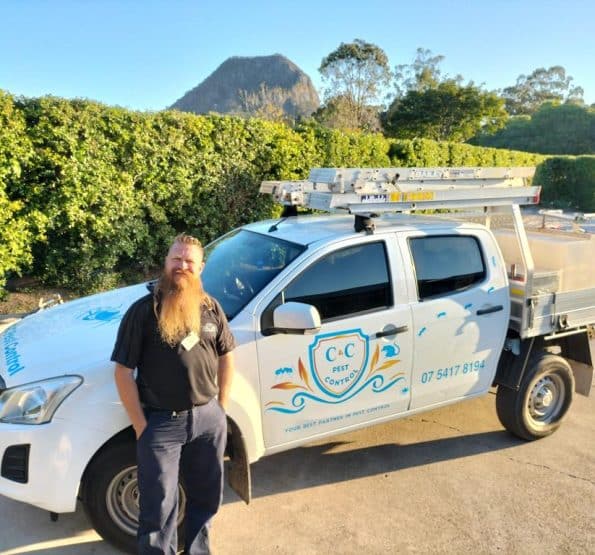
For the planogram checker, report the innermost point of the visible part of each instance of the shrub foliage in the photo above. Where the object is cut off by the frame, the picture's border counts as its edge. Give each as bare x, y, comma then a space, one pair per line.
19, 225
568, 182
92, 194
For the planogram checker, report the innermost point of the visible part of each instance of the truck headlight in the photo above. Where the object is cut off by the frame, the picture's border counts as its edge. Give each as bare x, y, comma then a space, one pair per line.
36, 402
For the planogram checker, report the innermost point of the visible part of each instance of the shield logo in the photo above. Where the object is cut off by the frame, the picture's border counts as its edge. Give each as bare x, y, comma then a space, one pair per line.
338, 360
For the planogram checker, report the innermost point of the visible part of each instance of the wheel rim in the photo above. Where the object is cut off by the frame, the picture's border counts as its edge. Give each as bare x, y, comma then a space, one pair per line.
546, 399
122, 500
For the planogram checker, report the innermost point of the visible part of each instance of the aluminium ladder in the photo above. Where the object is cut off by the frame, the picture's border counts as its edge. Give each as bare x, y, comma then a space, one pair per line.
370, 191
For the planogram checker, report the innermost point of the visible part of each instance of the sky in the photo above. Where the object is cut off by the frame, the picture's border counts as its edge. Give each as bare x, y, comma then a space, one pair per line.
145, 54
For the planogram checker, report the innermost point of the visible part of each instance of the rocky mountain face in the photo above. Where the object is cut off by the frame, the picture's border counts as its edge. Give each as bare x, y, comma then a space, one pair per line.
250, 85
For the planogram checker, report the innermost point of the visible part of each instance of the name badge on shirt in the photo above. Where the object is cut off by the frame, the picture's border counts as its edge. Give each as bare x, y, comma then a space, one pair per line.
189, 341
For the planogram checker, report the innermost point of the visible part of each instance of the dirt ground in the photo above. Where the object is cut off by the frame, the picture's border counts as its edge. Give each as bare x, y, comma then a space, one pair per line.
28, 299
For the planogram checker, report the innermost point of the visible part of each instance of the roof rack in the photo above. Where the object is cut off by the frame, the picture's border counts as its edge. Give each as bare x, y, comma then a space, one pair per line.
370, 191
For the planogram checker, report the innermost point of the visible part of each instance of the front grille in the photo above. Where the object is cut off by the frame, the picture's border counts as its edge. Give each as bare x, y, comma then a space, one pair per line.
15, 463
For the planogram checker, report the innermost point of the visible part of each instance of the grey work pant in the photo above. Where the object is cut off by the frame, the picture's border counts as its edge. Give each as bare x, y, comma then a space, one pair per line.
190, 443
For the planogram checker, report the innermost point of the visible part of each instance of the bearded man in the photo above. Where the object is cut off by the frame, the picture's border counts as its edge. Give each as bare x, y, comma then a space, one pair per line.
178, 340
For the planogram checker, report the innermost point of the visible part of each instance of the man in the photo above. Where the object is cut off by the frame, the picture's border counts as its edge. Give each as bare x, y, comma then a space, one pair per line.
178, 339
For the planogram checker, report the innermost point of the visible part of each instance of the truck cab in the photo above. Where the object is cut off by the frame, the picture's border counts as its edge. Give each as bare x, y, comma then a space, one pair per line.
334, 334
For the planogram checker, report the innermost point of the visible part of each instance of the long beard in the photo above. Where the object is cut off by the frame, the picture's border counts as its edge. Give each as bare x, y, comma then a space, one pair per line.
180, 310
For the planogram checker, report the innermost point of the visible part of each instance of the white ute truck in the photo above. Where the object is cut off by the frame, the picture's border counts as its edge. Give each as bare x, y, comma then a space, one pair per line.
341, 321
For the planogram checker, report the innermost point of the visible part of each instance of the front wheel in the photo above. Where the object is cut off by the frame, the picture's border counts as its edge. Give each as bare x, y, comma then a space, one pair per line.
110, 495
537, 409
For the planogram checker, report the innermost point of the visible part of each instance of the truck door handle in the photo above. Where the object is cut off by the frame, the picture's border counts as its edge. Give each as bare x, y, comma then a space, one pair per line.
392, 331
489, 310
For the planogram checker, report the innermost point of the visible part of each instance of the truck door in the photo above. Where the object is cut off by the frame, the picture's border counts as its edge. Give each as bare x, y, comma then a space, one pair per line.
357, 367
460, 314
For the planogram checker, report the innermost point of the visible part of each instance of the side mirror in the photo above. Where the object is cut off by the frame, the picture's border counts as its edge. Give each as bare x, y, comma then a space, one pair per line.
296, 318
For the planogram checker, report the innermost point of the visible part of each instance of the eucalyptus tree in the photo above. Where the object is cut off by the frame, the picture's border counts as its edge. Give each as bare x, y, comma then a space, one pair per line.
355, 75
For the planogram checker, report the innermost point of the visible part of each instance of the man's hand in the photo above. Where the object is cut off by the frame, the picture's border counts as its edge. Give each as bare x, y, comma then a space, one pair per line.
138, 430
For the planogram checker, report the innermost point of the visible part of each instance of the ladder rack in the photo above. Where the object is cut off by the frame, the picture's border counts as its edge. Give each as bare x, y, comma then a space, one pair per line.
371, 191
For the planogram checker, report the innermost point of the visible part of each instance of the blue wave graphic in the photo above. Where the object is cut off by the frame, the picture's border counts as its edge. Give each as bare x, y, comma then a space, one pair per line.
299, 399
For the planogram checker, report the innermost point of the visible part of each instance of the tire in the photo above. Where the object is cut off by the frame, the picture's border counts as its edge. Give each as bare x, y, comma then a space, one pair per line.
110, 495
538, 408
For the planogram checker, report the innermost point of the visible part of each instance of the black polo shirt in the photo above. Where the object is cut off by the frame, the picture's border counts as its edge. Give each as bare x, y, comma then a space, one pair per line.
172, 377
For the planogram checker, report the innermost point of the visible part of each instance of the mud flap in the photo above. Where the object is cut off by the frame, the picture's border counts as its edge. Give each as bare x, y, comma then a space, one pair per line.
583, 377
580, 352
511, 367
238, 475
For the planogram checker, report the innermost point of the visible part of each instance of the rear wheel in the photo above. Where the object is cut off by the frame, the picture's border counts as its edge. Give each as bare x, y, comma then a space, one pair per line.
110, 495
537, 409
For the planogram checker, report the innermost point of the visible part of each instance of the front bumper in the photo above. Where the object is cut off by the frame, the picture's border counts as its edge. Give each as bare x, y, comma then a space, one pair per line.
42, 464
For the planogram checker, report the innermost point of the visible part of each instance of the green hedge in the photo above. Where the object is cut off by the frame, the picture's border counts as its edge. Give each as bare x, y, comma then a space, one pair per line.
20, 226
425, 152
568, 182
90, 194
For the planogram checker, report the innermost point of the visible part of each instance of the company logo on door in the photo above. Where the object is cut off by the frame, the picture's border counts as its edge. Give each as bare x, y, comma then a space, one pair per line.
340, 368
337, 361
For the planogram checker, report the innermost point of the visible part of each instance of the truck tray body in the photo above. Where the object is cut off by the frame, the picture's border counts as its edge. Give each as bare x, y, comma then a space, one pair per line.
552, 278
550, 313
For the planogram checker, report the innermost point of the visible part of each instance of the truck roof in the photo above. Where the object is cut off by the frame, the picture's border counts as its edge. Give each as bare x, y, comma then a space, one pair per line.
308, 229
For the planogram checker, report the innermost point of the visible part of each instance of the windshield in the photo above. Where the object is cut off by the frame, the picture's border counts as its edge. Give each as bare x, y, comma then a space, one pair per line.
240, 264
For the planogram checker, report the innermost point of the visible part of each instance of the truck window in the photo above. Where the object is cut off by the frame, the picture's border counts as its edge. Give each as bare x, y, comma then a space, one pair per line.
446, 264
345, 282
240, 264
